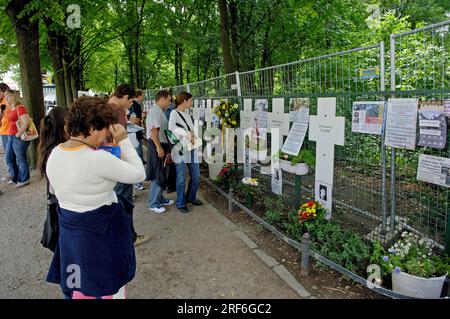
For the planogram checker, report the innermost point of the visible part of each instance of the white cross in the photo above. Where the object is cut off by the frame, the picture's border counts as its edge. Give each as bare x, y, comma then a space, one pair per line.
327, 130
278, 119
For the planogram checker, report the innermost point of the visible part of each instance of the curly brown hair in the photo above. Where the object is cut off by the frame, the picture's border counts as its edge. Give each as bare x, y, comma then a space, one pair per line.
89, 113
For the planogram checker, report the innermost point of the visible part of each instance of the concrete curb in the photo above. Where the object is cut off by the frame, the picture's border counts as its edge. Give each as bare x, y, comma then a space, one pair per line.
271, 262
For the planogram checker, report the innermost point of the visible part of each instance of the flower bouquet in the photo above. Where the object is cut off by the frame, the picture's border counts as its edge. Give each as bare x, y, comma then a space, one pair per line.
228, 176
228, 114
311, 211
249, 187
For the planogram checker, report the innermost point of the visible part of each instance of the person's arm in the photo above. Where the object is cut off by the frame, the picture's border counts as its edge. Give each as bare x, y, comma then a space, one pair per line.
155, 139
129, 169
25, 120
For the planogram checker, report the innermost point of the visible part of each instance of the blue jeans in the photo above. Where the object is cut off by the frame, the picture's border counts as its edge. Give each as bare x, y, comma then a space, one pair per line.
156, 197
140, 151
16, 154
11, 162
194, 181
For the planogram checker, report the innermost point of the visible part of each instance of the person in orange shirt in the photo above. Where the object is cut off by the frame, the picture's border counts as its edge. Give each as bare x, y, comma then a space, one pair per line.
15, 144
4, 132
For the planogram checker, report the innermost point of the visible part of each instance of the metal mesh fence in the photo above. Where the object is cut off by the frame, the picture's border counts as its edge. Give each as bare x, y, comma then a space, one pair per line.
374, 186
420, 69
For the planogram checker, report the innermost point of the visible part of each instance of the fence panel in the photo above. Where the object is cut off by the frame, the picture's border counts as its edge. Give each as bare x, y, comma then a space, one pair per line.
419, 68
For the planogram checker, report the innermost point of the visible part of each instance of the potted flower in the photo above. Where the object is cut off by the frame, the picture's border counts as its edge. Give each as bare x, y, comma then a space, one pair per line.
249, 187
299, 164
228, 176
415, 270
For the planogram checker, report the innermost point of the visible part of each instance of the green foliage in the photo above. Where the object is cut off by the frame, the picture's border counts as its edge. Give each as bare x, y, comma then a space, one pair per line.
304, 156
341, 246
411, 255
274, 210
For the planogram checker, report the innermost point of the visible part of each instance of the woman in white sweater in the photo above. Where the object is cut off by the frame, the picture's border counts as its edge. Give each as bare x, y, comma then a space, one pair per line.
95, 231
180, 124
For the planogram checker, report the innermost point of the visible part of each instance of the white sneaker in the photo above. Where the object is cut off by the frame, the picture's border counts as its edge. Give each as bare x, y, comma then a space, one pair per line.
158, 210
168, 203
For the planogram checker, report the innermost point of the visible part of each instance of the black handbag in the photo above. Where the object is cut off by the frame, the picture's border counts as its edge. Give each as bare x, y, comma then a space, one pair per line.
50, 232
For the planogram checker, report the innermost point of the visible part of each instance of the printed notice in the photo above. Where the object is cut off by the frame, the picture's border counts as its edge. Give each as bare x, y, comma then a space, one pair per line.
435, 170
401, 123
299, 110
368, 117
446, 107
294, 141
432, 124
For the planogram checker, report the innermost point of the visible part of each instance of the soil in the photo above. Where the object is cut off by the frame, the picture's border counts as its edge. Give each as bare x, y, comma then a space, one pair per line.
324, 284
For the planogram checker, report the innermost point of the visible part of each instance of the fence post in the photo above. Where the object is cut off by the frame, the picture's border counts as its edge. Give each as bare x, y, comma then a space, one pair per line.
238, 84
383, 147
188, 88
305, 255
393, 88
447, 236
230, 199
298, 190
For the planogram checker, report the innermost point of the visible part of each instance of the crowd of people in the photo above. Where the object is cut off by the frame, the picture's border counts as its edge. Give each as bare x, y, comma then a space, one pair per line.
92, 165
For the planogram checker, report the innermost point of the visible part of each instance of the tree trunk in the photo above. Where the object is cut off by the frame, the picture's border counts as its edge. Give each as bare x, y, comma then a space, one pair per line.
180, 63
234, 34
27, 34
225, 38
67, 82
130, 61
55, 50
177, 77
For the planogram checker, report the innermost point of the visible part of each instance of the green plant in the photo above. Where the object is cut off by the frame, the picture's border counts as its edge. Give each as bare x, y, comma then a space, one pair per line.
274, 208
341, 246
304, 156
411, 255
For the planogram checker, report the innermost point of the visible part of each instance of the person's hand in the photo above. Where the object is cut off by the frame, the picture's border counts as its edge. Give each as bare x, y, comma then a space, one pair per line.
160, 152
169, 158
118, 132
135, 120
18, 135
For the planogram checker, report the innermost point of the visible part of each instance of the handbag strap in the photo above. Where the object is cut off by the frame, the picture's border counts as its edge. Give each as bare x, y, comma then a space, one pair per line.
184, 120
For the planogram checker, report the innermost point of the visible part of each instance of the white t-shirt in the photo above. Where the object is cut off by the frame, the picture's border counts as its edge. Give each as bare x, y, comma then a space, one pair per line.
83, 179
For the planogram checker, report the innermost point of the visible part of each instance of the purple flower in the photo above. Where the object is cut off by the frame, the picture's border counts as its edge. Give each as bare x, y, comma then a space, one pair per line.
385, 258
397, 270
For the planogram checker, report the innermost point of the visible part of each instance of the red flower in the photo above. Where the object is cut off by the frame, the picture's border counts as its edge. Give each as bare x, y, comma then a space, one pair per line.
305, 215
225, 170
310, 203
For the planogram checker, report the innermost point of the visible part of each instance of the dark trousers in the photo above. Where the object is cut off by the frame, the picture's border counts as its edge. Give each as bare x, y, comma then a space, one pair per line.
172, 178
124, 194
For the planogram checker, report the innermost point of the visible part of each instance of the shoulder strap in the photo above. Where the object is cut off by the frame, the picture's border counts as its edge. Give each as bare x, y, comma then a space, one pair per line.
184, 120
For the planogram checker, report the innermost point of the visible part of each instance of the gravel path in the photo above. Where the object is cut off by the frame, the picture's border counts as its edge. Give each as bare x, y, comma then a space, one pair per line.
188, 256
